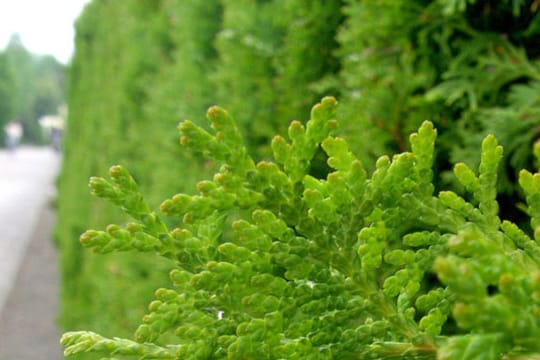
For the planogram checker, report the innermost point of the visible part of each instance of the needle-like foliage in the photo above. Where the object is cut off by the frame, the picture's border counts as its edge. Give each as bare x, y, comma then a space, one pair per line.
274, 263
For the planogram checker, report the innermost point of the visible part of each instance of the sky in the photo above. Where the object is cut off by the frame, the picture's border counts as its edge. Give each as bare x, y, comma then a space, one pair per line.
44, 26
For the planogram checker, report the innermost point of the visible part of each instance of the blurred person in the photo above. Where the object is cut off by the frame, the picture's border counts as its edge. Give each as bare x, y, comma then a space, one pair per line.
14, 133
55, 138
53, 126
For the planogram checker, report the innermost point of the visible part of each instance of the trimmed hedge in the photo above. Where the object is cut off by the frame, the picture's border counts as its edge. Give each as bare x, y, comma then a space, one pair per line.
142, 66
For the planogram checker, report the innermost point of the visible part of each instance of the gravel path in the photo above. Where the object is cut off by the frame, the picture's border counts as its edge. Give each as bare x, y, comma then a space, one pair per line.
29, 281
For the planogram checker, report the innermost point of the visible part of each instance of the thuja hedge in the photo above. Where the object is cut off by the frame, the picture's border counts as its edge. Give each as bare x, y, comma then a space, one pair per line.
471, 67
271, 262
141, 65
105, 121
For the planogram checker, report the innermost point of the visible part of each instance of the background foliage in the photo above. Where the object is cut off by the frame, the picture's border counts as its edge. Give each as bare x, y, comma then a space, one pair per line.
469, 66
140, 66
30, 86
7, 97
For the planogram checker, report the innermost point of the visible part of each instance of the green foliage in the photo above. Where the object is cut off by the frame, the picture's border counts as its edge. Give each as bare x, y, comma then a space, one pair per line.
138, 67
37, 87
7, 98
469, 66
271, 262
110, 81
275, 54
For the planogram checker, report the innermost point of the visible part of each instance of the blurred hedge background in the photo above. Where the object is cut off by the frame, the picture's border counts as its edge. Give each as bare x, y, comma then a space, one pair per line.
141, 66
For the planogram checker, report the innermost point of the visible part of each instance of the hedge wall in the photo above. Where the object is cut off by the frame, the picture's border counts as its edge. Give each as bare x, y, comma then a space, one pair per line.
141, 66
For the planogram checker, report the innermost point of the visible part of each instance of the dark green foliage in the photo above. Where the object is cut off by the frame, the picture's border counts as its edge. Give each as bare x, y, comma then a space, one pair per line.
273, 263
471, 67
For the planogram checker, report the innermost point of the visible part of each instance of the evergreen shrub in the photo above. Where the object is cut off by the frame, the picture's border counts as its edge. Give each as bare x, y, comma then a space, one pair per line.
471, 67
119, 95
274, 263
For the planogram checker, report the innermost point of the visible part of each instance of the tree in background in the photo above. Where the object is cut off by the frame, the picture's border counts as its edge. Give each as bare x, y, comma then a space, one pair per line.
7, 94
38, 87
49, 87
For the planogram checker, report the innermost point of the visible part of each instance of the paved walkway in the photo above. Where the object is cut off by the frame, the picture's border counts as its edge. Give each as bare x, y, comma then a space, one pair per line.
28, 265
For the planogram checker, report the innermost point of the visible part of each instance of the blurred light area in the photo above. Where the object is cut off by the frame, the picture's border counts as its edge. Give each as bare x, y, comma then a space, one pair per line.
45, 27
26, 185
